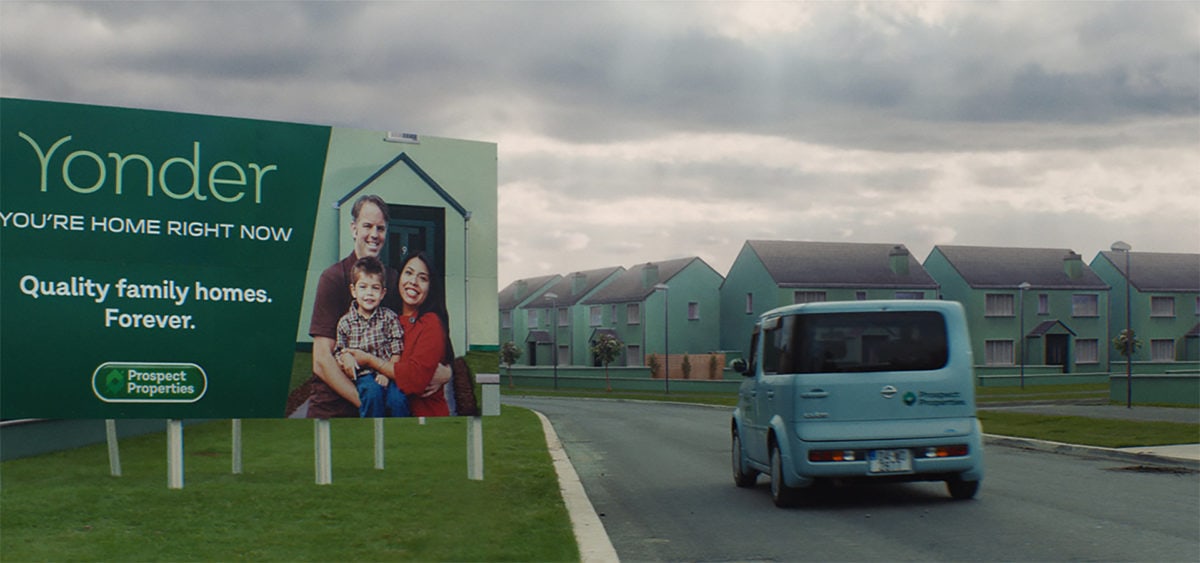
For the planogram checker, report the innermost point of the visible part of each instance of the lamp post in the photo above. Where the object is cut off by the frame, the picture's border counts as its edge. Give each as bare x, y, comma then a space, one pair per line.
553, 299
1122, 246
1021, 336
666, 335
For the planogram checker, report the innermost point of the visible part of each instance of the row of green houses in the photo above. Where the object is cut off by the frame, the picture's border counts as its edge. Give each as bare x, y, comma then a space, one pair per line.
1029, 307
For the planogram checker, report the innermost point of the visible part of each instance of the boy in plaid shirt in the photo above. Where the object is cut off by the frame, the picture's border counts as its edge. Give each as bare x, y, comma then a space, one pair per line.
375, 330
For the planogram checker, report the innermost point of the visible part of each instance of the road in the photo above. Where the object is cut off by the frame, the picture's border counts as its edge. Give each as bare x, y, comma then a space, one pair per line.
658, 475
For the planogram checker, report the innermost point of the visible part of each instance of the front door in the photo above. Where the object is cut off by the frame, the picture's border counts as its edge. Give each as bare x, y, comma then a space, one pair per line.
412, 229
1056, 350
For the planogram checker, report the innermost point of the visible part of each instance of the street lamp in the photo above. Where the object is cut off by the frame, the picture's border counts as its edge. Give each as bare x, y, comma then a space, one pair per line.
553, 299
666, 335
1122, 246
1021, 335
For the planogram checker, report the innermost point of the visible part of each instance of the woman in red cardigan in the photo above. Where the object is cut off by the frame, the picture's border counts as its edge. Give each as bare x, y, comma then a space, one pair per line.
423, 316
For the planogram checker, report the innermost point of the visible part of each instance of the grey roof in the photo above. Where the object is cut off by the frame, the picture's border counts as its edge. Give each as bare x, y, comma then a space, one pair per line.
995, 268
631, 286
1045, 327
569, 294
837, 264
511, 296
1159, 271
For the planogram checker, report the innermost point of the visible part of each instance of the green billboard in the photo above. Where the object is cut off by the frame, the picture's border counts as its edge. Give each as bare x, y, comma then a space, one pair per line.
154, 264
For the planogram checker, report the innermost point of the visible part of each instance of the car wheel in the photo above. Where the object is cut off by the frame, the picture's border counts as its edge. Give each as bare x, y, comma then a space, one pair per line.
962, 490
783, 495
742, 475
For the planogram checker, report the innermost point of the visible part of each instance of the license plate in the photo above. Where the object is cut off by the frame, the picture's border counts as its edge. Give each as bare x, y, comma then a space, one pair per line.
889, 461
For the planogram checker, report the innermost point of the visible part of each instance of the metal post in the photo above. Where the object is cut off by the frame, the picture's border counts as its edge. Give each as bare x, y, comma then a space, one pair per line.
1021, 336
378, 443
553, 298
114, 449
174, 454
1122, 246
666, 335
323, 451
475, 448
237, 446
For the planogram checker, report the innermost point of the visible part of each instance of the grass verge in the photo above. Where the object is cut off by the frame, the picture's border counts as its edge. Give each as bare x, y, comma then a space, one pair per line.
1105, 433
64, 506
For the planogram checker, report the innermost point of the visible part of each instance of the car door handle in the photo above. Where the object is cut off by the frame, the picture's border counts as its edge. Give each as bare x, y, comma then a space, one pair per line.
815, 394
771, 394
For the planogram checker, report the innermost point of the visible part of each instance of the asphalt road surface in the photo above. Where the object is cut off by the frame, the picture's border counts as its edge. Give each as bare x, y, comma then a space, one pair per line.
658, 475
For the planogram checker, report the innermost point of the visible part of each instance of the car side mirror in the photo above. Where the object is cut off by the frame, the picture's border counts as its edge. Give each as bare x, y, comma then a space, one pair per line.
739, 365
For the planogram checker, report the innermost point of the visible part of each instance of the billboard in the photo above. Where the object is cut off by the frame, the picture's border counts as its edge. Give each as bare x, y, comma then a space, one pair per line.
166, 265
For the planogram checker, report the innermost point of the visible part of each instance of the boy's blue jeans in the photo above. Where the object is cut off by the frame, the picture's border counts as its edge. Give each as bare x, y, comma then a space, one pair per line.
378, 401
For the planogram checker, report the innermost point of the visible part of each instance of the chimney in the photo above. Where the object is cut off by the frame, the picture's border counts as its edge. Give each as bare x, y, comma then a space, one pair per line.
898, 260
649, 275
1073, 265
578, 283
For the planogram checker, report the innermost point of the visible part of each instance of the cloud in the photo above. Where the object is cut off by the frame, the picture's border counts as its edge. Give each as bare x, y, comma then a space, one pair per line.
630, 132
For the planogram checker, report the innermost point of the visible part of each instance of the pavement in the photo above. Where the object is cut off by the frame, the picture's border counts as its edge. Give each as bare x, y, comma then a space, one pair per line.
1187, 455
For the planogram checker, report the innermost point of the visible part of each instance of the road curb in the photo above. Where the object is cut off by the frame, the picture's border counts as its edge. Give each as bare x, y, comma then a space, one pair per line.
1088, 451
590, 535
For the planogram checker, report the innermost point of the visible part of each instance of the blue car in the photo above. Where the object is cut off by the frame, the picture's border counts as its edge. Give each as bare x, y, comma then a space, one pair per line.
862, 390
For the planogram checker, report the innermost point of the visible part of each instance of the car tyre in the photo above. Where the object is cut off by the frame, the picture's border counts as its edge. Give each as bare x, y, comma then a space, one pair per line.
782, 495
962, 490
742, 476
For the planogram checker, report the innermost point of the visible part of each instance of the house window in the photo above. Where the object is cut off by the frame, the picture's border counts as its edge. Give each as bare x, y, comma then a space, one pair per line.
506, 319
808, 297
564, 355
1087, 351
860, 296
533, 318
998, 305
1162, 306
596, 315
1043, 304
633, 314
613, 316
998, 352
910, 295
749, 303
1162, 350
1198, 305
563, 318
633, 355
1085, 305
693, 311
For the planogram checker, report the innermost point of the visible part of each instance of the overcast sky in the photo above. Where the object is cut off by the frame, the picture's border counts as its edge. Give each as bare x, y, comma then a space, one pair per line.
631, 132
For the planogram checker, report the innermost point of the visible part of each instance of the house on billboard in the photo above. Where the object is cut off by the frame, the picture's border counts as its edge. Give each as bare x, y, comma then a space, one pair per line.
442, 200
512, 299
1027, 306
644, 301
1164, 306
770, 274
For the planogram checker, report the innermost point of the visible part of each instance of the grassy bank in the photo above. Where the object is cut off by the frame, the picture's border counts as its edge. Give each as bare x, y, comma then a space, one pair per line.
65, 506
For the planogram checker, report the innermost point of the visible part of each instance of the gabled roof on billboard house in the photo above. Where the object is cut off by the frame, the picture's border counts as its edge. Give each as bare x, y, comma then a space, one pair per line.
984, 267
1159, 271
573, 287
841, 264
637, 283
520, 291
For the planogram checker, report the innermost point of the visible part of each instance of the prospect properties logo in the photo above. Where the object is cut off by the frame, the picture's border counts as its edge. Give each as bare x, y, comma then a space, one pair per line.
132, 382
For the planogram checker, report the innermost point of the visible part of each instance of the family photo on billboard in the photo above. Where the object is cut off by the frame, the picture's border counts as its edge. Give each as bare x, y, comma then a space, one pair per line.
381, 343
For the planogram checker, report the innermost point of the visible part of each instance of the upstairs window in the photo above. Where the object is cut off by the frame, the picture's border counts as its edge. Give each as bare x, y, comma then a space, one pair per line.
1085, 305
808, 297
506, 319
595, 315
693, 311
633, 314
1043, 304
999, 305
1161, 306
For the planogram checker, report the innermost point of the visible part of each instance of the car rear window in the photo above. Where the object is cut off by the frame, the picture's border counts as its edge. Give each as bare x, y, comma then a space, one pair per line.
856, 342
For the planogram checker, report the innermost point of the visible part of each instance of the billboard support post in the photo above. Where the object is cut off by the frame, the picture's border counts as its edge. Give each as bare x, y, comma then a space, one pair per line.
324, 453
114, 449
378, 443
475, 448
237, 446
174, 453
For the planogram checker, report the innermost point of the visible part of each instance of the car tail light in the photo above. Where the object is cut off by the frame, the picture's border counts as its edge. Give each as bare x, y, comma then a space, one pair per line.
956, 450
834, 455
